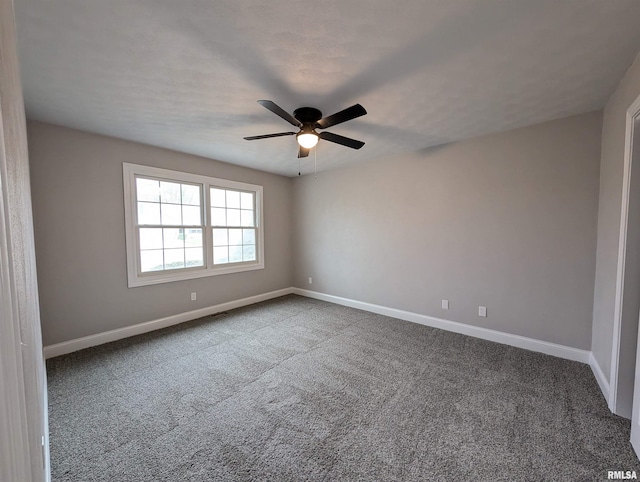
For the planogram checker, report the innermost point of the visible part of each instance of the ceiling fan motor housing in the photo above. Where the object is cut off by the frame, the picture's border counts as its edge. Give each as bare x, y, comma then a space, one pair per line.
307, 115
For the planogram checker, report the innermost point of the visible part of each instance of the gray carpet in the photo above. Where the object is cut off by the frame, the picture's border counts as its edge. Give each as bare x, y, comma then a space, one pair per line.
299, 389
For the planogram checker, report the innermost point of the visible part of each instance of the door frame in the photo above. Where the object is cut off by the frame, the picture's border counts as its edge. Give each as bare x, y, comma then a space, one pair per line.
24, 449
15, 456
633, 115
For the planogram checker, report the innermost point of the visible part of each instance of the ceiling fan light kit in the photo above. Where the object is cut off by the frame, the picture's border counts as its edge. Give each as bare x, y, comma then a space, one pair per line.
308, 119
307, 140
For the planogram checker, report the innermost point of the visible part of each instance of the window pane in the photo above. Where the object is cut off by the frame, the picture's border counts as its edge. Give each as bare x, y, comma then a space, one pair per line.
151, 260
148, 213
173, 258
218, 198
150, 238
171, 214
191, 215
194, 257
246, 200
248, 253
248, 236
147, 190
193, 237
235, 237
220, 255
235, 254
173, 238
246, 217
220, 237
233, 199
190, 194
233, 217
218, 217
170, 192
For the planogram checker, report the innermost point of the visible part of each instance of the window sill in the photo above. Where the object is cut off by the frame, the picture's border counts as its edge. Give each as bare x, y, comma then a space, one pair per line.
154, 279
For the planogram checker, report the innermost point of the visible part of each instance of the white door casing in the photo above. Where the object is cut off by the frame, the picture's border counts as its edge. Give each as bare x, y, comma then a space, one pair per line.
627, 226
627, 297
23, 407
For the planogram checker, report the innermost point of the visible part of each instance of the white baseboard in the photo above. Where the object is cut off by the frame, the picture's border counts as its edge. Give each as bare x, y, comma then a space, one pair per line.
532, 344
113, 335
599, 374
518, 341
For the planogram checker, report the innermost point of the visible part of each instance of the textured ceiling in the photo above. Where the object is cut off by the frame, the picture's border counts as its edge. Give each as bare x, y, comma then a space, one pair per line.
186, 74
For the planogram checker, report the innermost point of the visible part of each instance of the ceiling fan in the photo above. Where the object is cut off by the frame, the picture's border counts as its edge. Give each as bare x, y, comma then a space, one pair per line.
308, 119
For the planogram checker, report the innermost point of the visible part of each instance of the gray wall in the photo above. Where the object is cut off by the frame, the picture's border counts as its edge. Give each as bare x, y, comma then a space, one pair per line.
507, 221
611, 172
79, 230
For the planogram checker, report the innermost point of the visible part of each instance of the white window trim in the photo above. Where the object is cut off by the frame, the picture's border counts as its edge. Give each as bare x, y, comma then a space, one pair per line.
137, 279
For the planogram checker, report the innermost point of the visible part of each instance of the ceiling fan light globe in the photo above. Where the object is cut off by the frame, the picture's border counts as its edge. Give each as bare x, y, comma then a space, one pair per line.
307, 140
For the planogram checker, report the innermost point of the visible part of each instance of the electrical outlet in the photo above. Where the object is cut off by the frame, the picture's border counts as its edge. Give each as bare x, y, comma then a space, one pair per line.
445, 304
193, 296
482, 311
310, 280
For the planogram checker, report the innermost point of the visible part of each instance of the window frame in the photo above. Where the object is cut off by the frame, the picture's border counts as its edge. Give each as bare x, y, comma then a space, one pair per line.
134, 275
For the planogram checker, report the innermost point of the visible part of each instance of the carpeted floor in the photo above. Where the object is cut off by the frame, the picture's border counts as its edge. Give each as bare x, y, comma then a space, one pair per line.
298, 389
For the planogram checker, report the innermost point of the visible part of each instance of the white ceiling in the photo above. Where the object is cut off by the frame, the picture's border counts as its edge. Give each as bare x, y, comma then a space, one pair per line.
186, 74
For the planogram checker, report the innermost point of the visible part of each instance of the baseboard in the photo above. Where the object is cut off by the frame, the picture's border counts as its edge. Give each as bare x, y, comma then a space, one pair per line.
518, 341
532, 344
599, 374
113, 335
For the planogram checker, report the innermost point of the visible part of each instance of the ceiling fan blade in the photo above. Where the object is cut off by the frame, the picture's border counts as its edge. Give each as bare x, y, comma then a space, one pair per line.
344, 141
279, 111
266, 136
342, 116
303, 152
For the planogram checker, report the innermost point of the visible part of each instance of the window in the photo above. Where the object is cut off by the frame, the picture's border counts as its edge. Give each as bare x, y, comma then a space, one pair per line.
169, 224
181, 226
233, 221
